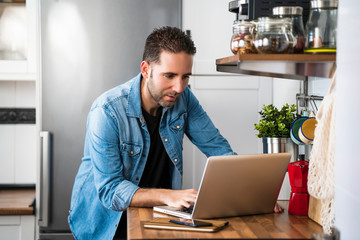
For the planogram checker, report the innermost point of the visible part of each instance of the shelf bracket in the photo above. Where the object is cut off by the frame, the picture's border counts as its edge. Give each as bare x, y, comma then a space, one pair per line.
303, 99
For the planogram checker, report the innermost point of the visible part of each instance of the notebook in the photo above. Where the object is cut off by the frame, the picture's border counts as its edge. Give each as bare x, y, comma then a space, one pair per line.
237, 185
163, 223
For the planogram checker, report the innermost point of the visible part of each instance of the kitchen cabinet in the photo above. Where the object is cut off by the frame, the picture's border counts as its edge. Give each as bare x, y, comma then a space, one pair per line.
18, 74
17, 141
17, 227
18, 36
17, 220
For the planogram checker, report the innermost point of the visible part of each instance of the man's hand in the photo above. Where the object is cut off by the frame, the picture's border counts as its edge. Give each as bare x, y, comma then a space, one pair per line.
180, 198
278, 209
154, 197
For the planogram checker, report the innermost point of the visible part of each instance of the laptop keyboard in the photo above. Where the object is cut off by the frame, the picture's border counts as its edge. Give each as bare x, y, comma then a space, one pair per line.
188, 210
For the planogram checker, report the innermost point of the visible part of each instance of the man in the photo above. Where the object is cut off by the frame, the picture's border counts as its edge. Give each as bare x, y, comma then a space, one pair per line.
134, 138
133, 145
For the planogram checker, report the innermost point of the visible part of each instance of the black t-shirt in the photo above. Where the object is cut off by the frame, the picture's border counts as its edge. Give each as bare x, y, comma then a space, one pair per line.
157, 170
156, 173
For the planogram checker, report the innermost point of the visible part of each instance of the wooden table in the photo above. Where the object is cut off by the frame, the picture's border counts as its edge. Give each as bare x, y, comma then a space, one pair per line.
266, 226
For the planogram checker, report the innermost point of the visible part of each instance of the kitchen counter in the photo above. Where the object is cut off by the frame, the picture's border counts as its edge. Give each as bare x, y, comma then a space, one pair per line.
263, 226
17, 201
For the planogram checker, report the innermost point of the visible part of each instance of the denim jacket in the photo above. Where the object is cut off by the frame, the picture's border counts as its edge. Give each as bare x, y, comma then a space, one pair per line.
116, 148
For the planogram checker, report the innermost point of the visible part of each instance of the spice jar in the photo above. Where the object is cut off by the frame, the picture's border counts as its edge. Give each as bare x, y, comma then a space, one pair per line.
242, 38
295, 14
321, 27
274, 35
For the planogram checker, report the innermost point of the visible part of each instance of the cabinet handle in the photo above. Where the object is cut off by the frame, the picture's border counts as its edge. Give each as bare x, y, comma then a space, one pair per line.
45, 157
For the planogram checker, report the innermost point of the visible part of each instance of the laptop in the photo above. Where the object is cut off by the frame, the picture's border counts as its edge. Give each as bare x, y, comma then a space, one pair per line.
236, 185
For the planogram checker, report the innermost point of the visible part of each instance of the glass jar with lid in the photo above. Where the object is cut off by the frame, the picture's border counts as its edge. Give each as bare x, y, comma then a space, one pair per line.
242, 38
295, 14
274, 35
321, 27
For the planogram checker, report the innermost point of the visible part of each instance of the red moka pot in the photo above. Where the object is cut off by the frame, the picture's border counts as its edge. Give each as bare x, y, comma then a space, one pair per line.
299, 198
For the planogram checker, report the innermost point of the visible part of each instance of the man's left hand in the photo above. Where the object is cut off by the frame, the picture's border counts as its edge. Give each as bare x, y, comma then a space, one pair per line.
278, 209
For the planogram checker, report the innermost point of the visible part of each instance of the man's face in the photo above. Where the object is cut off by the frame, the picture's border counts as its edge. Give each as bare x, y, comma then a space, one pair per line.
169, 78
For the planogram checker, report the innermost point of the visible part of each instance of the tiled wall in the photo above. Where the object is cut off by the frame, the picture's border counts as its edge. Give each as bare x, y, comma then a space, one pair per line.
17, 141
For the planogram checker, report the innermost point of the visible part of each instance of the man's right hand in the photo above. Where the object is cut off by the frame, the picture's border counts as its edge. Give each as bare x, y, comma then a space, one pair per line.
155, 197
180, 198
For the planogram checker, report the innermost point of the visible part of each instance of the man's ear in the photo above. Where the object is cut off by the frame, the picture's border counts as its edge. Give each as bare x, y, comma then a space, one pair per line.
145, 69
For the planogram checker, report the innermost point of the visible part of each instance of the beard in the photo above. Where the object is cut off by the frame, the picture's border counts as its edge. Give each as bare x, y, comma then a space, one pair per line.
159, 96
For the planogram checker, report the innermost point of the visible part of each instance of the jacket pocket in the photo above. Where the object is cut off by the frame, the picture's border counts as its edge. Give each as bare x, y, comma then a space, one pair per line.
131, 149
130, 155
177, 126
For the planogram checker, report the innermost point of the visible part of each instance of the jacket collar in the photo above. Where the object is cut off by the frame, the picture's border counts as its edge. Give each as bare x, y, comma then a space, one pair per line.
133, 108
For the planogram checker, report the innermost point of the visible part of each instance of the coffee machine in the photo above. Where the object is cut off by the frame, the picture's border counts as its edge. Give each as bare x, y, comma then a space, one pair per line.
299, 198
252, 9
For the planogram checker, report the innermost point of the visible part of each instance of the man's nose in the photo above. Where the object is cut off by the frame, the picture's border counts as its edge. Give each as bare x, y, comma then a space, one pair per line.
179, 85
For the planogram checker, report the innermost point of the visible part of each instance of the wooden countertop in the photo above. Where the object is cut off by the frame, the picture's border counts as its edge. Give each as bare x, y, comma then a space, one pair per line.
16, 201
265, 226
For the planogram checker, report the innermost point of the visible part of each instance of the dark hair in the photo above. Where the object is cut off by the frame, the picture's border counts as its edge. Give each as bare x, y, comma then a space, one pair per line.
169, 39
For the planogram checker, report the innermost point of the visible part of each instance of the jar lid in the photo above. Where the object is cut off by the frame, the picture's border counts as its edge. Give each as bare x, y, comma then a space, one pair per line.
269, 23
324, 4
287, 10
242, 24
271, 20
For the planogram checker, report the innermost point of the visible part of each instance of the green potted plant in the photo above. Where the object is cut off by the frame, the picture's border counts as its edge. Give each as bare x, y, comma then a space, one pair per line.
275, 122
274, 128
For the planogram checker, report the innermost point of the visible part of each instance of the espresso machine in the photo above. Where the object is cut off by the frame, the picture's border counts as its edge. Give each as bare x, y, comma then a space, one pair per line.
252, 9
299, 198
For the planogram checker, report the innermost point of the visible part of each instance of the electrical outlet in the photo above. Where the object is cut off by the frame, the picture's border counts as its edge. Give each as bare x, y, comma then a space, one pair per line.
17, 115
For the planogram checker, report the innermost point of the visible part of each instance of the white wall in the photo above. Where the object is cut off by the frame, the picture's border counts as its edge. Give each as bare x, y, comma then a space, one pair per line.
347, 159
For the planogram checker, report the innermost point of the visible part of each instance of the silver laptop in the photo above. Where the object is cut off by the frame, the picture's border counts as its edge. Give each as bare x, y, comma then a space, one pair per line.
237, 185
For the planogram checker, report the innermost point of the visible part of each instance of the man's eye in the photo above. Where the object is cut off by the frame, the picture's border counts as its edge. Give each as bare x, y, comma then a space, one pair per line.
169, 75
186, 78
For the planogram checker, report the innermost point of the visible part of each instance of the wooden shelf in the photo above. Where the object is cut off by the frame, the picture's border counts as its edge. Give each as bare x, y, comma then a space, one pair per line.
290, 66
